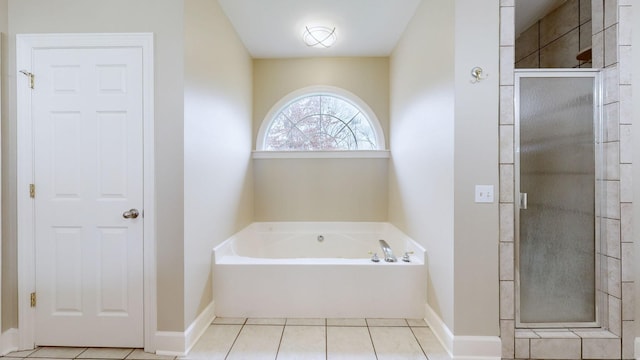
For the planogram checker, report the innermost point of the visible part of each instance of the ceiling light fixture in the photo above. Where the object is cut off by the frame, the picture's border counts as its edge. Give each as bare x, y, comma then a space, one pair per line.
319, 36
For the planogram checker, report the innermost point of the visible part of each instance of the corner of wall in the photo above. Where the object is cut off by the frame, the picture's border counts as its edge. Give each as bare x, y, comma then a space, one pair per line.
217, 129
179, 343
422, 100
9, 341
463, 347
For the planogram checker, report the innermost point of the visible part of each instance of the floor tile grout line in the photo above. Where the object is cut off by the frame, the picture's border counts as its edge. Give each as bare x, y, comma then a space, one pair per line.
326, 339
372, 344
419, 344
131, 352
82, 352
280, 343
236, 339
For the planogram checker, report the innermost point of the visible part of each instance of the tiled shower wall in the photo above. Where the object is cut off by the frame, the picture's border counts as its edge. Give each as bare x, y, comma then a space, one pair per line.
555, 40
611, 42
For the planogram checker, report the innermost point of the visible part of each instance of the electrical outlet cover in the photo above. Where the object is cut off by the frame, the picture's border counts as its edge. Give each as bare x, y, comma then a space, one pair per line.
484, 193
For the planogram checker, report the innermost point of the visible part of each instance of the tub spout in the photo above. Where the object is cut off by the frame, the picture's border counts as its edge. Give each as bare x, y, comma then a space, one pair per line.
388, 254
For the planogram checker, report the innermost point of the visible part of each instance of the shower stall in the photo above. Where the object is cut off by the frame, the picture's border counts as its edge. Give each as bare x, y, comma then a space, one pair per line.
559, 176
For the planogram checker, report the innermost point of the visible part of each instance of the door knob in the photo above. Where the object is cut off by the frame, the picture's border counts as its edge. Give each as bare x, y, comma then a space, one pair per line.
131, 214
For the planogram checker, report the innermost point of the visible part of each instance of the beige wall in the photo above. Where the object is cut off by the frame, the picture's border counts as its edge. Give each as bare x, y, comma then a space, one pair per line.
4, 28
422, 144
165, 19
321, 189
476, 160
444, 141
217, 144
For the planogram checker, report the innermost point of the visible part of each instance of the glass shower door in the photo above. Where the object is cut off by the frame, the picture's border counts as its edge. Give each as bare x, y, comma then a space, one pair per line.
556, 131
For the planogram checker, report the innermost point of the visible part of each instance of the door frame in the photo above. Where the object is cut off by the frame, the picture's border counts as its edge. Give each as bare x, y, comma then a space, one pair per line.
2, 342
596, 75
25, 45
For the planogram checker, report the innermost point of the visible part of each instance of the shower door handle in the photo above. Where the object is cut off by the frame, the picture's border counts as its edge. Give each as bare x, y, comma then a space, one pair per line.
523, 201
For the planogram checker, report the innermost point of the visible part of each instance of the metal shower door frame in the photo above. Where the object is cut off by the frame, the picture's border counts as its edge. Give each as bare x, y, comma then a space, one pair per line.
598, 185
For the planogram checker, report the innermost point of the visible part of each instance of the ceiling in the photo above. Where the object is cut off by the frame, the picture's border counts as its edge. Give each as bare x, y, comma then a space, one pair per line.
273, 28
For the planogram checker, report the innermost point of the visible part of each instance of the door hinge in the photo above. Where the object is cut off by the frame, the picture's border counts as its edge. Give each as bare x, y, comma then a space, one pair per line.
33, 299
32, 81
32, 191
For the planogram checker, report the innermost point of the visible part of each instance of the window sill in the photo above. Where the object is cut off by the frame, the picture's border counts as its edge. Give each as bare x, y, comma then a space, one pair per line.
347, 154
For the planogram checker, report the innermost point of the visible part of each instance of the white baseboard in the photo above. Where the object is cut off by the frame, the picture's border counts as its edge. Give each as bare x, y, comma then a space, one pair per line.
636, 346
9, 341
171, 343
440, 329
463, 347
176, 343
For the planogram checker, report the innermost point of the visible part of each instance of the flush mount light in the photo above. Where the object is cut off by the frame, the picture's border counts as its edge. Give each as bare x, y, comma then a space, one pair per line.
319, 36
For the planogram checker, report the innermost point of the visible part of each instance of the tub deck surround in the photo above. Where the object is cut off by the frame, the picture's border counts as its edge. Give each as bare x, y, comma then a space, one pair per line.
302, 270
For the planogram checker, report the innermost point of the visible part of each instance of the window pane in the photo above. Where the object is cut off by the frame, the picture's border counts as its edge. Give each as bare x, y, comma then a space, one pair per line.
320, 122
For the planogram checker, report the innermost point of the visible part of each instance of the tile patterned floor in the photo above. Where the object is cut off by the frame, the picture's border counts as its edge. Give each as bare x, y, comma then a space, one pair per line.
284, 339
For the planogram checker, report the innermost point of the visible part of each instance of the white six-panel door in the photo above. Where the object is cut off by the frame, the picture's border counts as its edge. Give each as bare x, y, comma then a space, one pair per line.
88, 171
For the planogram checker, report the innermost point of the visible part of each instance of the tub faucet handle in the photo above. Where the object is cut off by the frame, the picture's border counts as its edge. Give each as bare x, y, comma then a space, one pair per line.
374, 257
406, 257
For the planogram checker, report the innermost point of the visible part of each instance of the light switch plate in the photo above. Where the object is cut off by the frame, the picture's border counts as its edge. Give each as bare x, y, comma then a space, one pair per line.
484, 193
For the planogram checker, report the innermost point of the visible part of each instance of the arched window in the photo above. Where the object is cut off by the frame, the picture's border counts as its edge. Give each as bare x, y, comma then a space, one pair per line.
320, 119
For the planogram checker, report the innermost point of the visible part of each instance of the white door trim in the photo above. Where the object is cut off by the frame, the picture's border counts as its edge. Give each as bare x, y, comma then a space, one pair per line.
2, 346
25, 45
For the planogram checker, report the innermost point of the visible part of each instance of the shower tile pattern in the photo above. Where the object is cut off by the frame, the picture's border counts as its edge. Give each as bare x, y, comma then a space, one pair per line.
624, 108
606, 26
566, 344
507, 246
555, 40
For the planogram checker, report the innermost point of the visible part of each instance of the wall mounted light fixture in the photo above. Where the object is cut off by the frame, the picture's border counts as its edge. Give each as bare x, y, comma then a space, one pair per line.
319, 36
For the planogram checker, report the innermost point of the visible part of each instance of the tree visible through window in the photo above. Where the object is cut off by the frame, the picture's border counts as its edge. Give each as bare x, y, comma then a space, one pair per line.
320, 122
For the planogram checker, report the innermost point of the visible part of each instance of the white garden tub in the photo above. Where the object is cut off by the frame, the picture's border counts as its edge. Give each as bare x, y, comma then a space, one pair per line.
302, 269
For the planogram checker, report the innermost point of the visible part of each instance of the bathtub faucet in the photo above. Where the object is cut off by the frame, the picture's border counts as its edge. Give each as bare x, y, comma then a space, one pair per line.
388, 254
